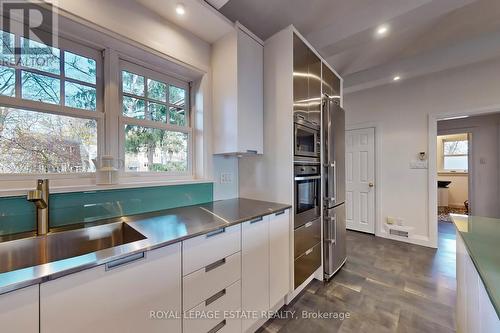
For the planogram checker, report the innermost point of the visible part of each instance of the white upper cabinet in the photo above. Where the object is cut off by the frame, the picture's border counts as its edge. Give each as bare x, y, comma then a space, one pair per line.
19, 310
237, 69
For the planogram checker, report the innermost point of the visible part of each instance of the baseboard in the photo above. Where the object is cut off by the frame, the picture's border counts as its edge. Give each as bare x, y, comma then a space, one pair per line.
414, 239
456, 205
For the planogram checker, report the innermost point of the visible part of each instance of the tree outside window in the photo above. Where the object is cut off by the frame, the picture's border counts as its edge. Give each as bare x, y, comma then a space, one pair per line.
157, 138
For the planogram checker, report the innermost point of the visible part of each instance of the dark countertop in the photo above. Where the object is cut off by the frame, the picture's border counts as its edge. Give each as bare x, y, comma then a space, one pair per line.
240, 210
161, 228
481, 236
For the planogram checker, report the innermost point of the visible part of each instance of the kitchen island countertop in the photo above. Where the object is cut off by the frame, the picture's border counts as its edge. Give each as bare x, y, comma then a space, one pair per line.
481, 236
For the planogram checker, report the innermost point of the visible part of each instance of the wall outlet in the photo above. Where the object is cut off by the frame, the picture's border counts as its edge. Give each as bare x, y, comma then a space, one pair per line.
226, 178
394, 221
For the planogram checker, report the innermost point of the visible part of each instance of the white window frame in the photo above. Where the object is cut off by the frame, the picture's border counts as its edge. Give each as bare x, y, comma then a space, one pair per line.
18, 102
443, 155
128, 65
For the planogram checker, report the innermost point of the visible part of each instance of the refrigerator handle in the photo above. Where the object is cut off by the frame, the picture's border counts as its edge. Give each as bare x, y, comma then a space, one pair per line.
334, 181
332, 225
330, 193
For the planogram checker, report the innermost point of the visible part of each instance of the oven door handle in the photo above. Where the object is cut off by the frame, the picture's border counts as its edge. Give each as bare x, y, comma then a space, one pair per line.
308, 178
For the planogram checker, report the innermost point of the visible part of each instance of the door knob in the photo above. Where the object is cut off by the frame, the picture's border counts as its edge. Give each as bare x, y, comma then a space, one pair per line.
371, 184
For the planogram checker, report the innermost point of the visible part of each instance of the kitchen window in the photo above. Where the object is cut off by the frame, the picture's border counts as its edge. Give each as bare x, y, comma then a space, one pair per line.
455, 155
155, 123
51, 111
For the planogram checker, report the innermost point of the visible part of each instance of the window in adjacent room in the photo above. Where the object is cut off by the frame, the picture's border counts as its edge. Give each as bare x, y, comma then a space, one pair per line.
456, 154
156, 133
50, 106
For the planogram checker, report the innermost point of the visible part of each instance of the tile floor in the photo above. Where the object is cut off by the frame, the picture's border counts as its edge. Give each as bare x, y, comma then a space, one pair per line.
385, 286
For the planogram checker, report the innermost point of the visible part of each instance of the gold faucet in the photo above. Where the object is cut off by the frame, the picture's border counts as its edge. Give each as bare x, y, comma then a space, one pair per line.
40, 197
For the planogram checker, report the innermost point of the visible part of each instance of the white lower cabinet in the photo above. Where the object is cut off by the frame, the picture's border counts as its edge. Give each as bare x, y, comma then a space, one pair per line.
214, 314
474, 310
211, 287
19, 310
131, 295
279, 256
206, 282
255, 270
199, 286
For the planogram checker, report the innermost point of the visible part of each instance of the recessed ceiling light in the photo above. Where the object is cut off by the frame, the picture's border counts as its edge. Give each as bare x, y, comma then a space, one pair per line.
396, 78
180, 9
382, 30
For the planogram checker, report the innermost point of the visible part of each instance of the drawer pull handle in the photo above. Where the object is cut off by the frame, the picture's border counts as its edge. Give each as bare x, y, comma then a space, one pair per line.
218, 327
215, 297
279, 213
308, 252
124, 261
308, 224
216, 232
256, 220
214, 265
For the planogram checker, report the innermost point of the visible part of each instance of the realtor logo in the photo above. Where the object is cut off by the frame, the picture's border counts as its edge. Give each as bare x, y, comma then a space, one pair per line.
34, 20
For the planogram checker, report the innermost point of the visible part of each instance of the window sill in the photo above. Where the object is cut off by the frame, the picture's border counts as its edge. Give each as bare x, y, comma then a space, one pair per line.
452, 173
125, 183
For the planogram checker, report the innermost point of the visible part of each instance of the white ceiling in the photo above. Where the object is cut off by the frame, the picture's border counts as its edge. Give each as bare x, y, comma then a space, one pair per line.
201, 18
425, 35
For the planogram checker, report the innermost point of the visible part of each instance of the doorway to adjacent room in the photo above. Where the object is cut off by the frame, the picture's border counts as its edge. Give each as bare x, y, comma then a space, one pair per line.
453, 172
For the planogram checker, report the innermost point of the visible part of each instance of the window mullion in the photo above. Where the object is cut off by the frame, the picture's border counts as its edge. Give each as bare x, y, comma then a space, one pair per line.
17, 59
112, 103
62, 79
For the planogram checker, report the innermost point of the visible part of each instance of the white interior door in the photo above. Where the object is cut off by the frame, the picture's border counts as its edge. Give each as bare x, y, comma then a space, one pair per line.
360, 180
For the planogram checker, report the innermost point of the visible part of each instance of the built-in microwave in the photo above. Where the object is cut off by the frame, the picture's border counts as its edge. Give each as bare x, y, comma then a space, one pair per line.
307, 139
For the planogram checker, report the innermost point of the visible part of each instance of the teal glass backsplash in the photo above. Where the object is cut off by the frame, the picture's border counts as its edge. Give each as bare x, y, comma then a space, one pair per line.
18, 215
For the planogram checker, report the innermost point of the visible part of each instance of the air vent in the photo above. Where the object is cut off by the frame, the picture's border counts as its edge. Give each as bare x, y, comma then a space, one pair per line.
398, 233
398, 230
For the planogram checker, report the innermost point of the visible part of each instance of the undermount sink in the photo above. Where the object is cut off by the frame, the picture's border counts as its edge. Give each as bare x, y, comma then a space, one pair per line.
28, 252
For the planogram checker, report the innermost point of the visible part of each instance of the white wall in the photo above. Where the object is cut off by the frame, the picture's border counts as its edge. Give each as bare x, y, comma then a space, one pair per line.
485, 164
458, 189
402, 111
227, 165
133, 21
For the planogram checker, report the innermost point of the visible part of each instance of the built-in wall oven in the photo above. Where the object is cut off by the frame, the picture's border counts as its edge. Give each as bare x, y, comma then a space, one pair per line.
307, 192
307, 221
307, 139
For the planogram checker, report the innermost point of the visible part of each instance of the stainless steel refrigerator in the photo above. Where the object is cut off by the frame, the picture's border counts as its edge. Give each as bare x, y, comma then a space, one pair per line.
334, 217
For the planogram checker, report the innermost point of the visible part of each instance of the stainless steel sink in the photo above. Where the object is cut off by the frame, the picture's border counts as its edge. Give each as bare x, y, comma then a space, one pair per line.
40, 250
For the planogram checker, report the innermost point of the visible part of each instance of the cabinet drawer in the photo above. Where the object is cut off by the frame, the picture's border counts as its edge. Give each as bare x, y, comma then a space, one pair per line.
205, 282
307, 264
197, 320
306, 237
203, 250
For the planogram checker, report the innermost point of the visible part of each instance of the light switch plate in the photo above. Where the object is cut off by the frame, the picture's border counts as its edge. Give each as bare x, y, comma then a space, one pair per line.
418, 165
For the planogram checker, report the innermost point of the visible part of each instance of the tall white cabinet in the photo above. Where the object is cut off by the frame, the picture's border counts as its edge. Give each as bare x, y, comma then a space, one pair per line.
279, 256
255, 268
265, 254
237, 76
122, 296
19, 310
